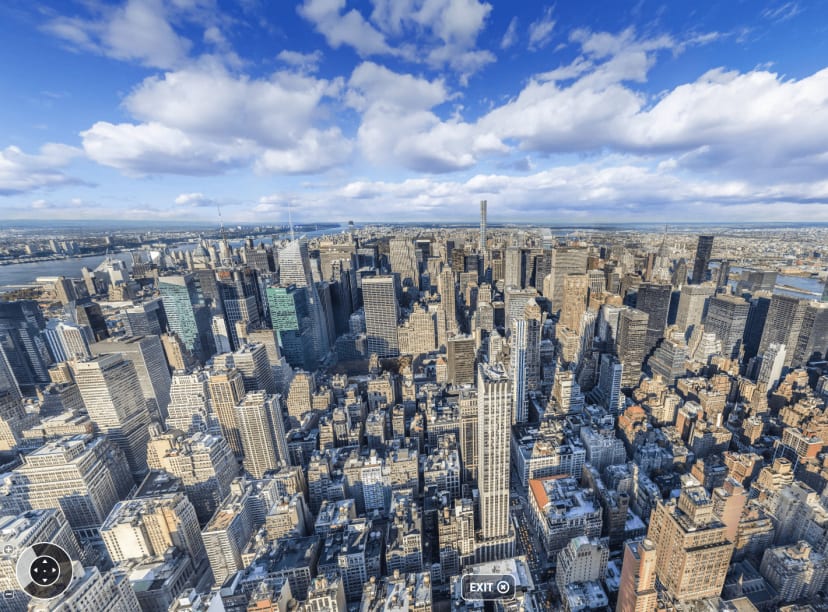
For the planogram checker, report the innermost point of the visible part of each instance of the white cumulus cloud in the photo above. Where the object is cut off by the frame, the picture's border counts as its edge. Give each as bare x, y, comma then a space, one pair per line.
194, 200
438, 33
21, 172
138, 31
343, 27
204, 119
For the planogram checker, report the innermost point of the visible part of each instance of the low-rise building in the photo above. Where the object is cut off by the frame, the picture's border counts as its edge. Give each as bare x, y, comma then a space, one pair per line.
562, 510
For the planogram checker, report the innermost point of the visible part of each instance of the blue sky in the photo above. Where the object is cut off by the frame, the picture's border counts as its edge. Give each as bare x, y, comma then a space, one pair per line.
414, 110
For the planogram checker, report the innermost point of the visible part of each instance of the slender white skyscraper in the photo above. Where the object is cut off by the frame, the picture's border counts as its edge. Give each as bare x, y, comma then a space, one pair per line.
494, 420
482, 226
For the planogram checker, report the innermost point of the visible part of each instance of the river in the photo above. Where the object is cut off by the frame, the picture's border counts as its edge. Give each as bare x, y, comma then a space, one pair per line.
809, 287
21, 274
16, 275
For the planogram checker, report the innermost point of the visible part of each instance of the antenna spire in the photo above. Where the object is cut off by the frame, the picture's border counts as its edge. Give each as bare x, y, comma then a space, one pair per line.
290, 220
221, 222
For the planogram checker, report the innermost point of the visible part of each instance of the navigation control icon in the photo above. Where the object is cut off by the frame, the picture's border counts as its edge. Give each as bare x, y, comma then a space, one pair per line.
44, 570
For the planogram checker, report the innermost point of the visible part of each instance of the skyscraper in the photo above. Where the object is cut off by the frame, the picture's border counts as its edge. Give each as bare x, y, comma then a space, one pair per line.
89, 313
188, 409
112, 394
262, 432
21, 324
294, 264
723, 276
177, 355
221, 335
295, 269
461, 360
146, 318
812, 340
726, 317
90, 589
783, 324
289, 316
8, 381
565, 260
516, 301
188, 314
525, 359
692, 305
631, 344
241, 297
300, 397
515, 267
654, 299
494, 417
692, 550
204, 463
67, 341
84, 475
13, 419
755, 325
637, 591
403, 260
668, 360
229, 530
704, 248
575, 290
584, 559
253, 363
456, 536
147, 355
482, 245
610, 372
65, 290
148, 526
419, 334
226, 392
796, 571
679, 277
770, 368
448, 299
379, 295
18, 532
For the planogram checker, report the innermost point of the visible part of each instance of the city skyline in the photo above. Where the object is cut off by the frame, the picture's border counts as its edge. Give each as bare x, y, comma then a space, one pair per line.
396, 417
413, 306
413, 112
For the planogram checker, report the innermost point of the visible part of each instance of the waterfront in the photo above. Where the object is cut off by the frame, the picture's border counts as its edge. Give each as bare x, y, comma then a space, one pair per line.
15, 276
23, 274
